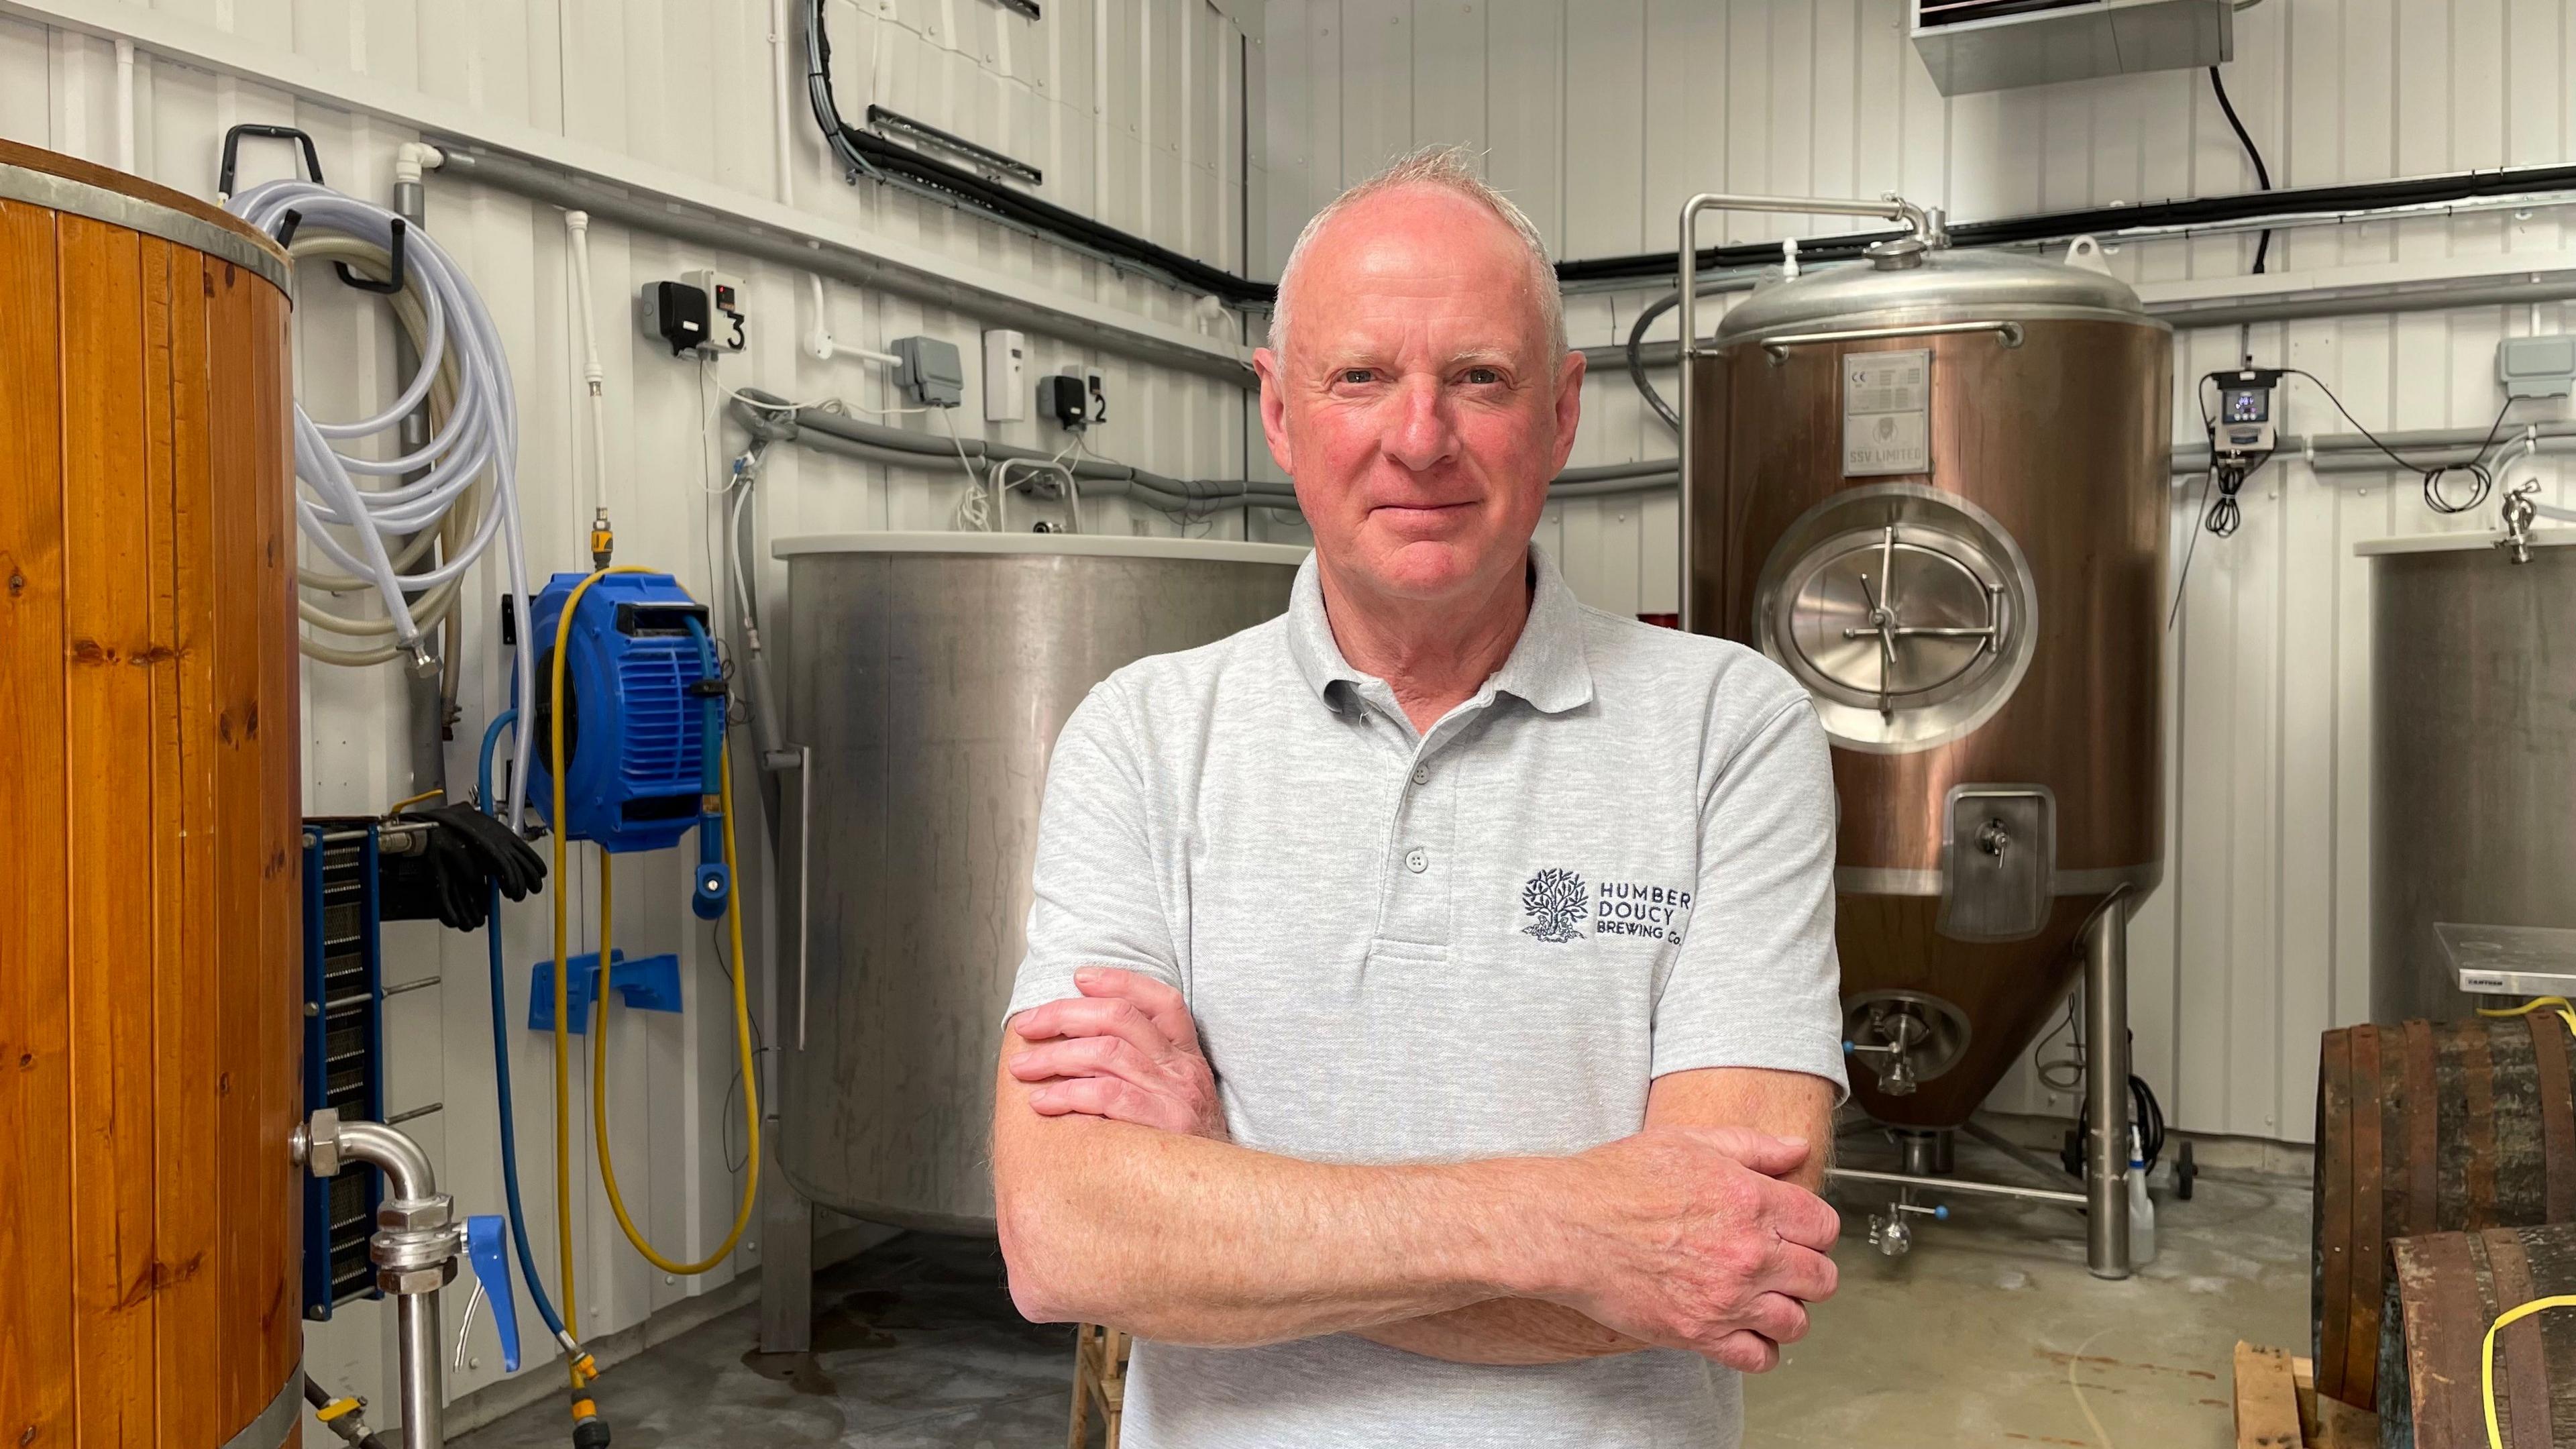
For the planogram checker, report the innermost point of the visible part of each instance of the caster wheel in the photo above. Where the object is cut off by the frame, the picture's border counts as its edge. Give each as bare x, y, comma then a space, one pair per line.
2184, 1172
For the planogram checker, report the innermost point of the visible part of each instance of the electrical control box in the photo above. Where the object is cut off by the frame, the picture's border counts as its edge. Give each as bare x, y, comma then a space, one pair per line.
1005, 373
675, 312
1064, 401
725, 323
701, 312
930, 371
2245, 427
2537, 366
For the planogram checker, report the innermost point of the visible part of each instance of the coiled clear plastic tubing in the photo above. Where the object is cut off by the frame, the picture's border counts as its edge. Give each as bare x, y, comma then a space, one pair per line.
383, 534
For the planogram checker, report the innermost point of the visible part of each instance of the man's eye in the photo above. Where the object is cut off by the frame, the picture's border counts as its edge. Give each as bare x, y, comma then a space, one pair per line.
1483, 376
1359, 374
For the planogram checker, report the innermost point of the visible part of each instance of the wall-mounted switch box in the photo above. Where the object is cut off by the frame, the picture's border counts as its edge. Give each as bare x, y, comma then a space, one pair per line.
725, 322
1063, 401
1005, 376
2537, 366
930, 371
674, 312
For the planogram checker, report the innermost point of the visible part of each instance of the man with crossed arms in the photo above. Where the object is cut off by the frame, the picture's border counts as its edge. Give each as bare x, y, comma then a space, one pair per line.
1428, 1034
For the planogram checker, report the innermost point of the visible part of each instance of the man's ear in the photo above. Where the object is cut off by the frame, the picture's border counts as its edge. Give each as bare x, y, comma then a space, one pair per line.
1569, 404
1274, 408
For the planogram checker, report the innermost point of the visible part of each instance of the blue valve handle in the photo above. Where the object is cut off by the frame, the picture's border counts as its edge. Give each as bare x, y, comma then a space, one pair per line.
486, 1250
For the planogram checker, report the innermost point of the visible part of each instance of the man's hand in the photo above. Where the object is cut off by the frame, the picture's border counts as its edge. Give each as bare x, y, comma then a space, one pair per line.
1688, 1239
1126, 1049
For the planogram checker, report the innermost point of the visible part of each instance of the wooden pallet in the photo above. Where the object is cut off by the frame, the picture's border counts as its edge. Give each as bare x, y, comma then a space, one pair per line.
2277, 1406
1099, 1375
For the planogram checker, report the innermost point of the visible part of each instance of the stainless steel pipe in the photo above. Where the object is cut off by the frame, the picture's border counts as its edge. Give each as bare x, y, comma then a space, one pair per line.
1893, 207
414, 1248
417, 1339
2106, 1088
1961, 1184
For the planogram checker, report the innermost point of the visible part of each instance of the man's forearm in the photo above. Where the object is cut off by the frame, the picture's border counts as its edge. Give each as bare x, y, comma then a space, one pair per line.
1504, 1331
1526, 1331
1188, 1240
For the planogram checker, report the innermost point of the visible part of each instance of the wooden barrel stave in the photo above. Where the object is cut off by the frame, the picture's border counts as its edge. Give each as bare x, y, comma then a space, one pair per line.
2444, 1290
150, 1027
2421, 1128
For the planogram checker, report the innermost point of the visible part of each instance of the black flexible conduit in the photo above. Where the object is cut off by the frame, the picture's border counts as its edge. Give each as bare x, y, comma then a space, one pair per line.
871, 155
2059, 225
2262, 173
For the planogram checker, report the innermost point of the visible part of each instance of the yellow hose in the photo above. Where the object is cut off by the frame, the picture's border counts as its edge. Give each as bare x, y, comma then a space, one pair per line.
2520, 1311
599, 1040
563, 1007
742, 1049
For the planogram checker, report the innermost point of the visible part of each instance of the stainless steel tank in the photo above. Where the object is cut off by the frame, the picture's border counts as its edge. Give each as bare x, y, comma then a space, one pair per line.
2473, 767
1933, 485
930, 673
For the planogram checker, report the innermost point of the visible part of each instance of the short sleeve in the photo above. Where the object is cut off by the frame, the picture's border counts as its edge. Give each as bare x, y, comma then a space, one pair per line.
1757, 982
1096, 899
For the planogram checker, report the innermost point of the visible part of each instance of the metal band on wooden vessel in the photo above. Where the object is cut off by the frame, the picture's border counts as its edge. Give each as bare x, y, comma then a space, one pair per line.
2447, 1288
2422, 1128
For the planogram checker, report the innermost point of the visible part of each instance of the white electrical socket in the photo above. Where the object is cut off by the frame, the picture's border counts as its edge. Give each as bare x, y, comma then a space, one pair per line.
725, 318
1006, 398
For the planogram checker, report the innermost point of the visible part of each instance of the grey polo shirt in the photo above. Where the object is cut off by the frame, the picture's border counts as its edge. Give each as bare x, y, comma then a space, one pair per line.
1487, 939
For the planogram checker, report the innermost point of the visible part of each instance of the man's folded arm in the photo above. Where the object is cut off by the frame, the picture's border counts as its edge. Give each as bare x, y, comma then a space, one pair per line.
1527, 1331
1187, 1240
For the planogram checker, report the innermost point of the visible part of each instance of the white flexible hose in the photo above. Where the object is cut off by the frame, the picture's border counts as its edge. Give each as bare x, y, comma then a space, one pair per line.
351, 525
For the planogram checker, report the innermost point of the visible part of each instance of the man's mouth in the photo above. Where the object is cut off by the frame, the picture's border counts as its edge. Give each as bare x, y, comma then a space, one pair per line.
1402, 514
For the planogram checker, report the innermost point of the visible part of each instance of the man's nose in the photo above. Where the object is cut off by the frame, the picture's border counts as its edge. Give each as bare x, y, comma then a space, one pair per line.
1419, 435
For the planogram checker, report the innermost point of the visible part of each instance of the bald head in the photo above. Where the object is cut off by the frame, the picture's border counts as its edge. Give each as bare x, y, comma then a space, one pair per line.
1424, 205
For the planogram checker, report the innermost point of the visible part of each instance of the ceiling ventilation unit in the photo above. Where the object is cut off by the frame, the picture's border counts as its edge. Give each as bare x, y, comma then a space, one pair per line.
1994, 45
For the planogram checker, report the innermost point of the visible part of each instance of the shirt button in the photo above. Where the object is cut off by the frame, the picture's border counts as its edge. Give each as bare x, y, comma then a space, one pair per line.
1416, 860
1422, 774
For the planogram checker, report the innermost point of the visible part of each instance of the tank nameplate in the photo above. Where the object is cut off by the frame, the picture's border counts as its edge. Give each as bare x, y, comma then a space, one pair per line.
1887, 412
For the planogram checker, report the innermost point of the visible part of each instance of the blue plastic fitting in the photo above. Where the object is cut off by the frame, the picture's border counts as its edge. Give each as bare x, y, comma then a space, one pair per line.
485, 1250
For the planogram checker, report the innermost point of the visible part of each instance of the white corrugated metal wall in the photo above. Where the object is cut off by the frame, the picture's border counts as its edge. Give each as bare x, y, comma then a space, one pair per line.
1601, 116
1133, 108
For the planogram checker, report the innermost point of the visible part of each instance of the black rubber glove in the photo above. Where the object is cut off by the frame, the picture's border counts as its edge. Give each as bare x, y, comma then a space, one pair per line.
442, 881
499, 855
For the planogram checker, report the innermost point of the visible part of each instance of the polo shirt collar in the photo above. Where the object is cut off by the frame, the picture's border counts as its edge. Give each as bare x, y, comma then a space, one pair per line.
1547, 667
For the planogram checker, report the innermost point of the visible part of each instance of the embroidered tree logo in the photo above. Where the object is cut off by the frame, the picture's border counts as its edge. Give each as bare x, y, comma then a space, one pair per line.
1554, 900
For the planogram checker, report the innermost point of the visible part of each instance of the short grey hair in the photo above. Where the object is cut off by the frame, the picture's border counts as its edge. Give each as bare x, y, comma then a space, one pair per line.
1445, 168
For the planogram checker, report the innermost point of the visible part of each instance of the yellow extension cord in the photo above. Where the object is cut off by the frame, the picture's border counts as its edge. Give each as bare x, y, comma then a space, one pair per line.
2520, 1311
599, 1042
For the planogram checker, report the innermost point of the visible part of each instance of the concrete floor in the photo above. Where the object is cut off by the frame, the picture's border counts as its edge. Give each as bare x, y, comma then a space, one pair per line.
1991, 1333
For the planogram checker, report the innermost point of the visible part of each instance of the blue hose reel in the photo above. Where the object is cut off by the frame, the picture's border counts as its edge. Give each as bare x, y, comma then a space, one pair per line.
643, 725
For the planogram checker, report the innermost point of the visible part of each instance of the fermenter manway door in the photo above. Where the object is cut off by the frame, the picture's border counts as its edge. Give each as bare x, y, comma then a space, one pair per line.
1904, 611
1897, 620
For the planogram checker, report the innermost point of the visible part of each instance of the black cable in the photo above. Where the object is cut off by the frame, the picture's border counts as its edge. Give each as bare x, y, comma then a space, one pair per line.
1637, 357
2262, 173
2482, 479
874, 156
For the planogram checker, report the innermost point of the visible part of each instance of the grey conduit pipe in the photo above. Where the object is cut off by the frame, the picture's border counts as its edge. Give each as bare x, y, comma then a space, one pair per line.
896, 447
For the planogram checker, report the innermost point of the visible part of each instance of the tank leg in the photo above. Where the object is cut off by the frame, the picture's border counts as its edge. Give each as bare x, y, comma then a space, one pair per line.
1929, 1153
787, 1264
2106, 1088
